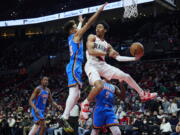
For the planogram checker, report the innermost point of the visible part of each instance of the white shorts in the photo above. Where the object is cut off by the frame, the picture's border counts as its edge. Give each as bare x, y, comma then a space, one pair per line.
96, 70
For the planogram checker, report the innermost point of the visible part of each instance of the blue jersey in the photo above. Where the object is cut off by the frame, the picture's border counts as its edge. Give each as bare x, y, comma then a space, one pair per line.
74, 67
103, 114
76, 50
40, 102
106, 96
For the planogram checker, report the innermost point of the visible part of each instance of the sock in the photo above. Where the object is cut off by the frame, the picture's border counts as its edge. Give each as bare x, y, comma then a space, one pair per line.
95, 132
74, 94
34, 129
115, 130
86, 101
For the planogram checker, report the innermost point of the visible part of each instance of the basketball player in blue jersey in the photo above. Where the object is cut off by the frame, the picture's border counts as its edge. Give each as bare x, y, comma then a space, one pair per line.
74, 67
38, 101
104, 114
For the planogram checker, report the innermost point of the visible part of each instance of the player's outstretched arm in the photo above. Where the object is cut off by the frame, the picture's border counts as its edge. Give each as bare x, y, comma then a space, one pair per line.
91, 45
33, 96
120, 93
54, 103
114, 54
91, 20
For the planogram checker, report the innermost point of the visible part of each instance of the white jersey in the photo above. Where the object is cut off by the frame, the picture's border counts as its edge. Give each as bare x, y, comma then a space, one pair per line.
99, 45
96, 67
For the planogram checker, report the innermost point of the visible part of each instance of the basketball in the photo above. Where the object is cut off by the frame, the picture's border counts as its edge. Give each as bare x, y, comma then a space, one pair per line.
137, 49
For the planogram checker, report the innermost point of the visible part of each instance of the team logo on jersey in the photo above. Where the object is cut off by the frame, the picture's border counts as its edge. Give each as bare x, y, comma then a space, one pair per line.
100, 47
45, 95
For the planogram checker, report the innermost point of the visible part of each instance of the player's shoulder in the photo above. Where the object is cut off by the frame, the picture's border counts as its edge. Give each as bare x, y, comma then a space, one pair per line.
91, 36
37, 89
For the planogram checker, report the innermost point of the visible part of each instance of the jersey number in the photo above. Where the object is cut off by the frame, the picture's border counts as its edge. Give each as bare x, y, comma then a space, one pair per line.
107, 94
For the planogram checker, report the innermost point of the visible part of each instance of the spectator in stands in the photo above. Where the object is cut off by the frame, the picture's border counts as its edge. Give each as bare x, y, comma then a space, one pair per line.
165, 104
26, 124
177, 130
4, 125
173, 107
155, 119
173, 119
165, 127
11, 122
137, 124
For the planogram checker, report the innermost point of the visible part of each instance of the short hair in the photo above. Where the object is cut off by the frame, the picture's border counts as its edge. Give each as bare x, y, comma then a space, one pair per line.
106, 26
42, 77
68, 26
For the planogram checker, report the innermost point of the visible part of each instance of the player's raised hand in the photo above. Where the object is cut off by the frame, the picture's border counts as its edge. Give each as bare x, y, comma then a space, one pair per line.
81, 19
102, 7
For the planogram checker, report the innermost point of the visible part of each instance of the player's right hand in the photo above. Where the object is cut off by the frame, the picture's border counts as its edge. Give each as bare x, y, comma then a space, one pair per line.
102, 7
81, 19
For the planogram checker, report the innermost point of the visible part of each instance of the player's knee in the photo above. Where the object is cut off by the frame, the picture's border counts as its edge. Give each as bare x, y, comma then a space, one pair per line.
99, 85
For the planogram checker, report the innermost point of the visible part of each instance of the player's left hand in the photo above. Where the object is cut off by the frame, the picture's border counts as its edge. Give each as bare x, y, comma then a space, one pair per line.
81, 19
102, 7
137, 57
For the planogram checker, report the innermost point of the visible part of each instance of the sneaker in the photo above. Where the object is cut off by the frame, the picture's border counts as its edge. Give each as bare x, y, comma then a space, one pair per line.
66, 126
148, 96
84, 114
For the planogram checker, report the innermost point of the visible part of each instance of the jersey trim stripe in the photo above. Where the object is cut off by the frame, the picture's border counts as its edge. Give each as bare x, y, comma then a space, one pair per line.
71, 85
74, 65
113, 124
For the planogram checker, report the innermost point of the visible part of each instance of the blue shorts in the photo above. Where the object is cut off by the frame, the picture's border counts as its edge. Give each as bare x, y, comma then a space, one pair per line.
37, 118
104, 117
74, 73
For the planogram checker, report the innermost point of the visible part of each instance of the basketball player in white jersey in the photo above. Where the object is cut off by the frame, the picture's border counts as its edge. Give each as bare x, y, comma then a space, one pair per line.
96, 67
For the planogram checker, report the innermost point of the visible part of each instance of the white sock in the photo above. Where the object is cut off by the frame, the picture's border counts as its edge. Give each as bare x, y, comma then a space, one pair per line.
95, 132
115, 130
34, 129
86, 101
74, 94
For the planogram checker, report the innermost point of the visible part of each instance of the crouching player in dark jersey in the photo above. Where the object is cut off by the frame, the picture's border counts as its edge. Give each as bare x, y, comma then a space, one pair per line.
38, 101
103, 114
